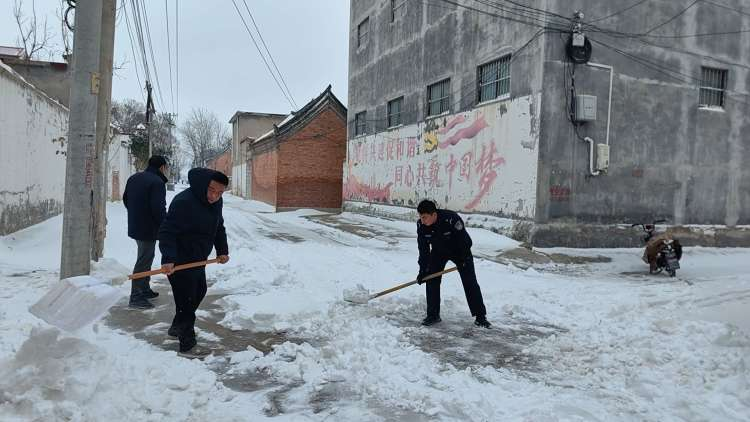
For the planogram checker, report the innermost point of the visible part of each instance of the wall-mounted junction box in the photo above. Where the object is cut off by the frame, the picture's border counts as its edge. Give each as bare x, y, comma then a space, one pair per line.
585, 108
602, 157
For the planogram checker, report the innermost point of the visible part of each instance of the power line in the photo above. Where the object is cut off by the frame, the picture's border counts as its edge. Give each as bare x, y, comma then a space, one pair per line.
139, 39
594, 28
538, 24
723, 6
169, 52
665, 70
291, 102
636, 4
688, 52
135, 57
469, 88
269, 54
527, 13
680, 13
177, 53
151, 50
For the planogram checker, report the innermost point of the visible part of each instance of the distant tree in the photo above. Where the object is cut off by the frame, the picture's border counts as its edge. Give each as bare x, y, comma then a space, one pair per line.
32, 37
129, 116
204, 134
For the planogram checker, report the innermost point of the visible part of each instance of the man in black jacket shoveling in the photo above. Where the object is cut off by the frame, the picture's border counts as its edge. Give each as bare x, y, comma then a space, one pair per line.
442, 237
193, 226
145, 199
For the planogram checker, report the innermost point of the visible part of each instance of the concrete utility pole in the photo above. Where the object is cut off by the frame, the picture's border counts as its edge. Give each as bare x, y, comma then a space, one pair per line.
80, 158
109, 8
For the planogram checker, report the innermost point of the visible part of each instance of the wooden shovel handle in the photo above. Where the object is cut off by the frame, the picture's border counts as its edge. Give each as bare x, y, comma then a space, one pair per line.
401, 286
177, 268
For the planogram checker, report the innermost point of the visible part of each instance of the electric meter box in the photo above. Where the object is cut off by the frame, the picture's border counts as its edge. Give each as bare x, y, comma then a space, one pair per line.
602, 157
585, 108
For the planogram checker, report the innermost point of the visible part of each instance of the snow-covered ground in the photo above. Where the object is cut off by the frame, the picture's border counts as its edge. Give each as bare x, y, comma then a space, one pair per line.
580, 342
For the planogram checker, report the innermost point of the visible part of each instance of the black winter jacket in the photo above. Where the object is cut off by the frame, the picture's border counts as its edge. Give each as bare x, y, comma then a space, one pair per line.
446, 239
145, 198
192, 226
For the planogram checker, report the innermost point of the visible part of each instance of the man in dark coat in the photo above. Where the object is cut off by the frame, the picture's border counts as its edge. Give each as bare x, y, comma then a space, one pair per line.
442, 237
194, 225
145, 199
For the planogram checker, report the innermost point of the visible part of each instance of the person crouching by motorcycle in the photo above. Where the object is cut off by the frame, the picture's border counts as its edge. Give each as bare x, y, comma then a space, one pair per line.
654, 245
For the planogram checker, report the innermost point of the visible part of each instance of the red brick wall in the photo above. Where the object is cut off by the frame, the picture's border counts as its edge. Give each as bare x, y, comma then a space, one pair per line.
311, 165
265, 170
222, 163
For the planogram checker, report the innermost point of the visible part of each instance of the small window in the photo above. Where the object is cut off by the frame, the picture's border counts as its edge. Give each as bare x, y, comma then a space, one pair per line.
394, 111
493, 79
713, 85
438, 97
398, 9
362, 30
360, 123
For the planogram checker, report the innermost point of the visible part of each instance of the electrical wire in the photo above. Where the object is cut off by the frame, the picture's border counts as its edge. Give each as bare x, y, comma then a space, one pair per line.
169, 52
262, 56
634, 5
151, 50
135, 56
269, 54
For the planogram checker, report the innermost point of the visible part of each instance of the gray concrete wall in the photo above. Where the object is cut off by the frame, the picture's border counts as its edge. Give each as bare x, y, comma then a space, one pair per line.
52, 78
430, 42
247, 125
668, 158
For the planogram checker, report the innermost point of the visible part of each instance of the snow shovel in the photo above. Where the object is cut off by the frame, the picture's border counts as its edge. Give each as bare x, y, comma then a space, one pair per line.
360, 295
77, 301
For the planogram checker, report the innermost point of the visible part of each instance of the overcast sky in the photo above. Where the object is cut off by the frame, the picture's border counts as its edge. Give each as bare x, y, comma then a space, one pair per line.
219, 67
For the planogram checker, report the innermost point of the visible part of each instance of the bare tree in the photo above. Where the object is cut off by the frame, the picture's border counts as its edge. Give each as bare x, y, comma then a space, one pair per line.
129, 117
33, 38
204, 134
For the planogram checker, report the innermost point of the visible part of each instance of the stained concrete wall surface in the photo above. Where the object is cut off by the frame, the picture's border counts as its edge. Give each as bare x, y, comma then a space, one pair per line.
33, 137
670, 157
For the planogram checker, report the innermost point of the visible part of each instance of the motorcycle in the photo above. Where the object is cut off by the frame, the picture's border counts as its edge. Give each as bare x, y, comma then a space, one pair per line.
663, 251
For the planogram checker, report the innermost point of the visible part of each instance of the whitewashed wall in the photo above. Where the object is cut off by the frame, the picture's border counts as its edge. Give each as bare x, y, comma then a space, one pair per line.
239, 180
33, 140
119, 166
483, 160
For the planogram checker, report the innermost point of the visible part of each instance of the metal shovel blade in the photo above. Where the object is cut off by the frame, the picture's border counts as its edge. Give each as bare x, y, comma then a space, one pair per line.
358, 295
76, 302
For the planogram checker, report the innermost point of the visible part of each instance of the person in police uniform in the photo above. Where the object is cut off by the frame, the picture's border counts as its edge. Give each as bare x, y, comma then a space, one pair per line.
442, 237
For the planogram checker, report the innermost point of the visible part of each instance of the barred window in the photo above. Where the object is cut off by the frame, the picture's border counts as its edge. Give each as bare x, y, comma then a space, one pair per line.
438, 97
360, 123
713, 85
493, 79
398, 9
363, 30
394, 111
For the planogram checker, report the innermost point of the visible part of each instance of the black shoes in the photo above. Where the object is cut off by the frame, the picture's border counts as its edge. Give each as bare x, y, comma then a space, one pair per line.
481, 321
431, 320
173, 331
140, 303
187, 343
150, 294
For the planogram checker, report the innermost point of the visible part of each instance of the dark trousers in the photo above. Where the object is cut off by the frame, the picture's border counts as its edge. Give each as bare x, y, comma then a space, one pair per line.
189, 288
469, 280
143, 262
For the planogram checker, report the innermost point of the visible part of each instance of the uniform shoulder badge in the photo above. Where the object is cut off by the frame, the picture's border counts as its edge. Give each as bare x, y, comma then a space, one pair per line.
459, 225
